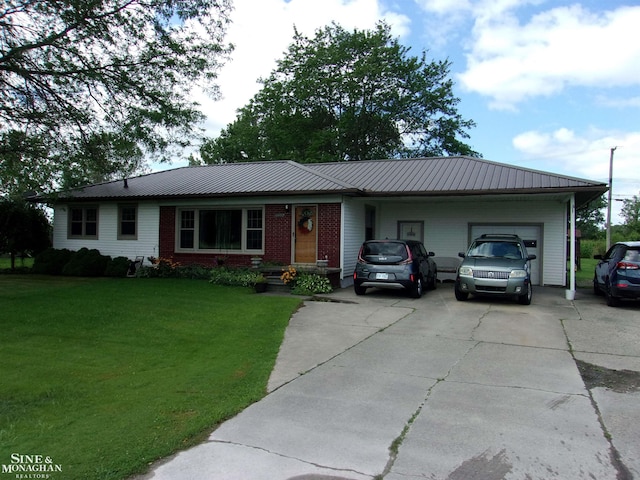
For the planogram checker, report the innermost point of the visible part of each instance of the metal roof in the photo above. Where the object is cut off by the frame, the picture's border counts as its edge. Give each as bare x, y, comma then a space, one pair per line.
437, 176
232, 179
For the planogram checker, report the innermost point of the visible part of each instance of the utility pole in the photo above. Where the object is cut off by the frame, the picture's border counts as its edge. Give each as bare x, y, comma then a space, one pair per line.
613, 149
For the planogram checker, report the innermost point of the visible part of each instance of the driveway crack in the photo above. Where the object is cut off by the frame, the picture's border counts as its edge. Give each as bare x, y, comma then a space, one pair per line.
623, 473
289, 457
394, 448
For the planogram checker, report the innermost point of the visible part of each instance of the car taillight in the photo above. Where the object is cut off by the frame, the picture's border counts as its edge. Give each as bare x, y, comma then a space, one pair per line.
360, 257
627, 266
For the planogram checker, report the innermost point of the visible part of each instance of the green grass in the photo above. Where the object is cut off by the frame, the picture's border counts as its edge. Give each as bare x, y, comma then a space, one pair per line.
5, 263
584, 276
107, 375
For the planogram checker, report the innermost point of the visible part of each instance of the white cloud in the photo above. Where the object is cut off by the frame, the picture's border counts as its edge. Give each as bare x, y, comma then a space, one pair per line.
586, 155
262, 31
511, 61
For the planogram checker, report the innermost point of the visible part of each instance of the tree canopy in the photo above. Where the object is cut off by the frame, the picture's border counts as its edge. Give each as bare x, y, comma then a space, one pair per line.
590, 218
88, 87
347, 96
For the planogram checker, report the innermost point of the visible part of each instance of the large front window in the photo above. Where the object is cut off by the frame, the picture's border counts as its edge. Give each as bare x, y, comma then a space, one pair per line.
236, 229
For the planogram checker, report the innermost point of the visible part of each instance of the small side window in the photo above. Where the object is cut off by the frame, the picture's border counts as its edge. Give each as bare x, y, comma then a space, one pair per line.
127, 222
83, 222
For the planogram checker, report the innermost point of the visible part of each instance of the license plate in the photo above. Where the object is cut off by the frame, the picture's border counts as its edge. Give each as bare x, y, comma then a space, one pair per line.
382, 276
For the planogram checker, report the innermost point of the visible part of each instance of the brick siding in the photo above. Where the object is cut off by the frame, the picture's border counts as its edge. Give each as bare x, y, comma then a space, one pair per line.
277, 238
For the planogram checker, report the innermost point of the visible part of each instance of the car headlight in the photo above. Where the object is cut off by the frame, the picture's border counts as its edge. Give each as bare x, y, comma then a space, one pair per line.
466, 271
518, 274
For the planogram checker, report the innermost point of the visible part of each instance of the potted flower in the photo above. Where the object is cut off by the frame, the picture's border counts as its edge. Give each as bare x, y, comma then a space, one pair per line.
260, 283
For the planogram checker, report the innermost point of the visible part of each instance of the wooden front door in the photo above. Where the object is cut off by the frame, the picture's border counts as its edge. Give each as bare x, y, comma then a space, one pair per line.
305, 234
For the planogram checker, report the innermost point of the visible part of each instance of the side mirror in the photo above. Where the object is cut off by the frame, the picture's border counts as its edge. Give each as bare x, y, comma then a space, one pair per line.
531, 257
431, 254
597, 257
461, 254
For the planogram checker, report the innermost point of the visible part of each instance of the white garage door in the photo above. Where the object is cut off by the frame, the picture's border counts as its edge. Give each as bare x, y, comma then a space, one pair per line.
529, 233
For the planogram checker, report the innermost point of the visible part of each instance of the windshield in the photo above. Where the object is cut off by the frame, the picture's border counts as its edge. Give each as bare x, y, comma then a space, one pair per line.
509, 250
396, 250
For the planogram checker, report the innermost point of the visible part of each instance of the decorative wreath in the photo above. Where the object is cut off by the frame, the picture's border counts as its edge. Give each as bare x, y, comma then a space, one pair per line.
306, 223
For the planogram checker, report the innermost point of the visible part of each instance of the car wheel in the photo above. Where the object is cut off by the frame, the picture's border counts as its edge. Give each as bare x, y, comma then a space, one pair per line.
611, 300
526, 298
460, 296
596, 287
434, 281
416, 291
359, 289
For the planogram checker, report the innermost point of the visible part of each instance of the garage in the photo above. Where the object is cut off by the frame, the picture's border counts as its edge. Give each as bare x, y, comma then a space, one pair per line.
531, 234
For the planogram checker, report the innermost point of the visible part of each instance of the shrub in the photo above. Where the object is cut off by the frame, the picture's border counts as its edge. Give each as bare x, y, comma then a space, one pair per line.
117, 267
236, 277
161, 268
51, 261
309, 284
194, 271
589, 248
86, 263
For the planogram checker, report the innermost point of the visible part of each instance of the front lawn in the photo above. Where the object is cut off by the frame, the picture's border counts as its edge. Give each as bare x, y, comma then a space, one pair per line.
104, 376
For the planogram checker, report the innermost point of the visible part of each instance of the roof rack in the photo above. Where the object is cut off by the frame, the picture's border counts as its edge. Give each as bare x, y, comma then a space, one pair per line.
501, 235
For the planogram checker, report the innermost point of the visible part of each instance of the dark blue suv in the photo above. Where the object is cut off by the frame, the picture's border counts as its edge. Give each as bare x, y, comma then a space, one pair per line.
617, 274
395, 264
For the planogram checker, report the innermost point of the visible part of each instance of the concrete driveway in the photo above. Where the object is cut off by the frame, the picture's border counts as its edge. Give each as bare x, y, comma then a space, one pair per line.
384, 386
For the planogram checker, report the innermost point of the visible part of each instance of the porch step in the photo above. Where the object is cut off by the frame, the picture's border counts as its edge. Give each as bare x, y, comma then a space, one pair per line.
276, 284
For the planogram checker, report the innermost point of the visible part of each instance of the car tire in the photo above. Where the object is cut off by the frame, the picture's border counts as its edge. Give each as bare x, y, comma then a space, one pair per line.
434, 281
596, 288
416, 289
359, 289
611, 300
526, 298
460, 296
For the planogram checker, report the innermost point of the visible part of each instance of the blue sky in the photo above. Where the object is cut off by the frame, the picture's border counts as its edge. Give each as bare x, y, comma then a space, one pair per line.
551, 85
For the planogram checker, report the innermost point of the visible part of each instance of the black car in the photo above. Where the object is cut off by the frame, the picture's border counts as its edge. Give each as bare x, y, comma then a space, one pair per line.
617, 274
395, 264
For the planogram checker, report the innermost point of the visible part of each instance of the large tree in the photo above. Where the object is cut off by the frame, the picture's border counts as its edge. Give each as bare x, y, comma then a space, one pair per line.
347, 96
89, 87
24, 229
631, 212
590, 218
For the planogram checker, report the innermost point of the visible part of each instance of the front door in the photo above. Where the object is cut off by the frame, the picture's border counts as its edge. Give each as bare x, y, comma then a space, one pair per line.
305, 228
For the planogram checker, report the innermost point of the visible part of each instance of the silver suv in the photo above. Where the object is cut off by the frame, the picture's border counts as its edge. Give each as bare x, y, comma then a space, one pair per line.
495, 264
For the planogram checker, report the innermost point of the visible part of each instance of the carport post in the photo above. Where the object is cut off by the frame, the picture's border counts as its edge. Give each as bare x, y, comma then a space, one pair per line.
571, 293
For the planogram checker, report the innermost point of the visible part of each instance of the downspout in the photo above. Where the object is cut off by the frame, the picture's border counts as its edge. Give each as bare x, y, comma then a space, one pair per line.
571, 292
342, 259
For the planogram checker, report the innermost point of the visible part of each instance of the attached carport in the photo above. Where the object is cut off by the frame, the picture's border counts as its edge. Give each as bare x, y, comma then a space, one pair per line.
445, 201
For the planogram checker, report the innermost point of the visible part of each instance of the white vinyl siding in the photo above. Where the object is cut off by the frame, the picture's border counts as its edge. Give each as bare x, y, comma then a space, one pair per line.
353, 228
108, 243
447, 225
